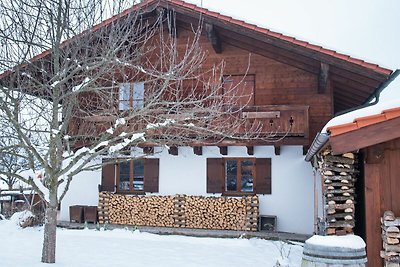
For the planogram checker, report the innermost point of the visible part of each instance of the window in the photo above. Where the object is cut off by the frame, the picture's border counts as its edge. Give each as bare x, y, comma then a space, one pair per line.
131, 175
239, 90
131, 95
239, 175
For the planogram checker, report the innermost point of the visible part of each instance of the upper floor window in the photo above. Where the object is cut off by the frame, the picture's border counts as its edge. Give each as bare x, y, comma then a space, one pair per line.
239, 90
131, 95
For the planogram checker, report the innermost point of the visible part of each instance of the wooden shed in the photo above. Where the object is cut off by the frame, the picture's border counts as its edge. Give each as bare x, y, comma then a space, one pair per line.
372, 134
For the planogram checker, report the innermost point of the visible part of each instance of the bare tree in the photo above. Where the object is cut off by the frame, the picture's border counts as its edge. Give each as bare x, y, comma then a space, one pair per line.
102, 90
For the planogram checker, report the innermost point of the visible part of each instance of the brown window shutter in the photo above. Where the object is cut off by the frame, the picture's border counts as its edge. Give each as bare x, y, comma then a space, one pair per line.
215, 175
263, 176
108, 177
151, 174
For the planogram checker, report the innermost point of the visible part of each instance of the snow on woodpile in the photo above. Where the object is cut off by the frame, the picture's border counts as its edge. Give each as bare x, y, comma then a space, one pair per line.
346, 241
23, 218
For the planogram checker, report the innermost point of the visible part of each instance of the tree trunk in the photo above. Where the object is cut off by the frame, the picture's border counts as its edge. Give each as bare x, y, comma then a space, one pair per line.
49, 241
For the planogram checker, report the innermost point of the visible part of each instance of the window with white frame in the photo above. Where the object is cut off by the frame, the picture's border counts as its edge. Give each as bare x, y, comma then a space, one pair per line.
131, 95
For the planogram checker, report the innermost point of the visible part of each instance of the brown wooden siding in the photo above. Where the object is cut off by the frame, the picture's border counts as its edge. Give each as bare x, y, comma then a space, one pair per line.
276, 83
382, 192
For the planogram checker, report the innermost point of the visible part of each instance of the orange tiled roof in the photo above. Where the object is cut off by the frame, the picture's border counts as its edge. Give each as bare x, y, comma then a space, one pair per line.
241, 23
361, 122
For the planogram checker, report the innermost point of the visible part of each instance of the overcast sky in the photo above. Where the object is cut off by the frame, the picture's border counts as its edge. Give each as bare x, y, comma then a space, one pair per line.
365, 29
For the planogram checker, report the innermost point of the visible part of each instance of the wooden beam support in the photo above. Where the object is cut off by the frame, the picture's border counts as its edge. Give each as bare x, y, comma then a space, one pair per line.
173, 150
223, 150
250, 150
213, 37
277, 150
198, 150
323, 78
148, 150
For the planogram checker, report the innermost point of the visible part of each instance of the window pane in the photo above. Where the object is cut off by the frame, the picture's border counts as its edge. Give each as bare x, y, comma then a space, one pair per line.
247, 174
124, 175
138, 175
138, 95
124, 95
123, 105
231, 175
124, 91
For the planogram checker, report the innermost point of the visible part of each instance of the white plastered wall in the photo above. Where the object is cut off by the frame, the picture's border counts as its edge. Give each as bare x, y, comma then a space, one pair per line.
292, 198
83, 190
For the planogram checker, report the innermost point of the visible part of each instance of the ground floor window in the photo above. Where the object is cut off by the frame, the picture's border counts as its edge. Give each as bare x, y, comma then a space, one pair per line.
134, 176
239, 175
130, 175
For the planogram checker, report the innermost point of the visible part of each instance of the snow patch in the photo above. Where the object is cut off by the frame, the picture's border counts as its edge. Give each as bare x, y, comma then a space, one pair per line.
119, 121
160, 124
346, 241
79, 86
20, 218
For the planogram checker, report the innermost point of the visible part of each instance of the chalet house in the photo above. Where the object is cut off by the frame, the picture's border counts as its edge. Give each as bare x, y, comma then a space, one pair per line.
372, 134
291, 86
290, 82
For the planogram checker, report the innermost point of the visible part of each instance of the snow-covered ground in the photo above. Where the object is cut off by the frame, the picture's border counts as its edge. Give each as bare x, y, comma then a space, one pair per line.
81, 248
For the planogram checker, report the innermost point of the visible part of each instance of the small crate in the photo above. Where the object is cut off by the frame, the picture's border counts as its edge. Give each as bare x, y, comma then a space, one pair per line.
266, 223
76, 213
90, 214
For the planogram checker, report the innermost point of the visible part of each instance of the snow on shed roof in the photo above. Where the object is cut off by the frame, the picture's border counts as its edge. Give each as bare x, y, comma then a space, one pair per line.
387, 108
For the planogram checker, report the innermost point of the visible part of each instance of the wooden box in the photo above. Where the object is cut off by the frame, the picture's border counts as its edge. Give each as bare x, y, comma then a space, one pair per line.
90, 214
76, 213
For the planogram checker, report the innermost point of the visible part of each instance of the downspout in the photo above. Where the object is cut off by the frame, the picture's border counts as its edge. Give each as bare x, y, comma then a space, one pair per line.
322, 138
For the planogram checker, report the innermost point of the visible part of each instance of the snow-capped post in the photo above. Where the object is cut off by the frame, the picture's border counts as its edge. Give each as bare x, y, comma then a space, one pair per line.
72, 92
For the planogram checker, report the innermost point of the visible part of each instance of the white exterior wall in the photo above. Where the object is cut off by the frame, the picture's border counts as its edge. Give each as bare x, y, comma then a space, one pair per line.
83, 190
292, 198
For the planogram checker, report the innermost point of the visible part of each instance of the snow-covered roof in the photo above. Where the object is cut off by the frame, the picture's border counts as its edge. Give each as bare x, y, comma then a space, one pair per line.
389, 99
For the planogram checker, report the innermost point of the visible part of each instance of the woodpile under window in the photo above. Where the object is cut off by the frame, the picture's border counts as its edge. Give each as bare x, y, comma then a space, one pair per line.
224, 213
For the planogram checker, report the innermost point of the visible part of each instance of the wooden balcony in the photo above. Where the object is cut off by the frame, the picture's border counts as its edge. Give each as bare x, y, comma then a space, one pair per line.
264, 123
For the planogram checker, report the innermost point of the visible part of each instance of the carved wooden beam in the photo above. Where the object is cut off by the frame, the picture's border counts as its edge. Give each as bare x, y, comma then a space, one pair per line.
198, 150
173, 150
277, 150
213, 37
250, 150
323, 78
223, 150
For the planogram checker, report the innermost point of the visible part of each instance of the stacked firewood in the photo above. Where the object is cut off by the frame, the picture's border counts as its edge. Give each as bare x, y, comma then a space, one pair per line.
391, 239
102, 209
223, 213
141, 210
252, 213
179, 211
339, 177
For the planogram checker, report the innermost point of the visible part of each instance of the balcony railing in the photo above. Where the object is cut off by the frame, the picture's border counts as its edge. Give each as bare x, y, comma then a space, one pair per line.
279, 121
